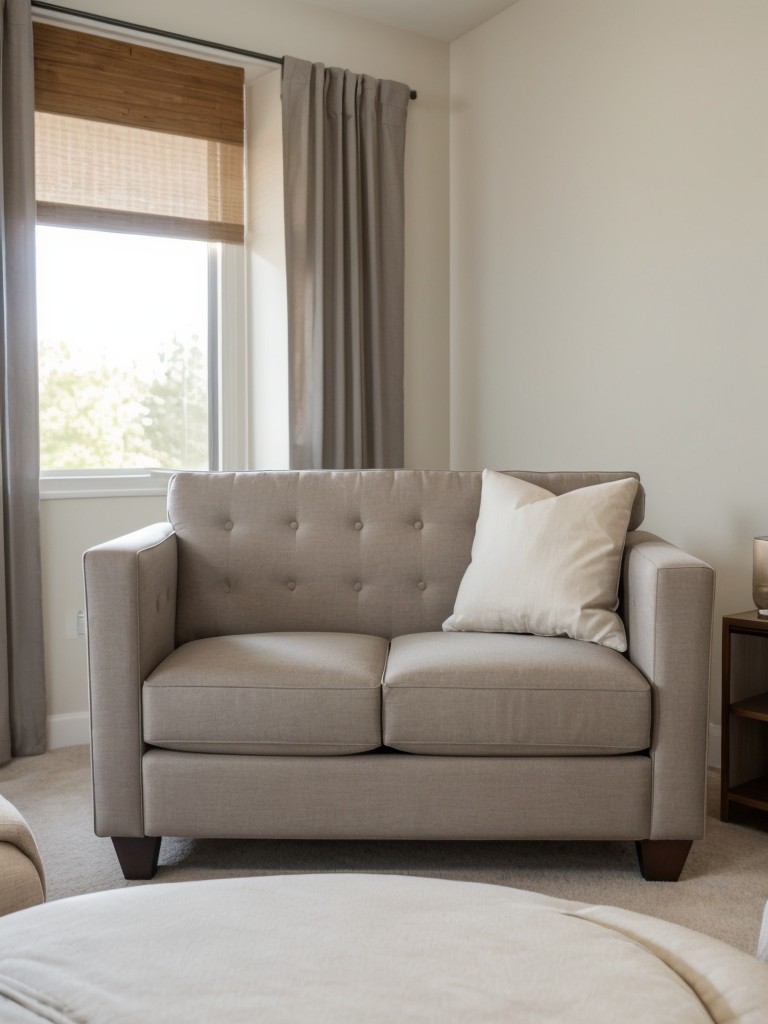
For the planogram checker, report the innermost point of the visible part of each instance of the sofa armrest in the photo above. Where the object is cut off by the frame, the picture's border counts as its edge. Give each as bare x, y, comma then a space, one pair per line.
130, 596
21, 869
668, 599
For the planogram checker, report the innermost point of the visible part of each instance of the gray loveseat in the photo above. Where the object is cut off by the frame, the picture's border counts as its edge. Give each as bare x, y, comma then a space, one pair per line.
270, 664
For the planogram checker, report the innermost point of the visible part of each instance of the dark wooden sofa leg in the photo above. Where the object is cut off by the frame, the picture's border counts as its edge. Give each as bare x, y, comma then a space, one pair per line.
137, 855
662, 860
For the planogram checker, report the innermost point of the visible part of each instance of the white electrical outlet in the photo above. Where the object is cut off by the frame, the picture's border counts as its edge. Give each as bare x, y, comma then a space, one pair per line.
74, 624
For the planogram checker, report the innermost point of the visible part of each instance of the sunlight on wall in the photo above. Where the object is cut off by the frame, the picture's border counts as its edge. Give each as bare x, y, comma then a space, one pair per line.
265, 240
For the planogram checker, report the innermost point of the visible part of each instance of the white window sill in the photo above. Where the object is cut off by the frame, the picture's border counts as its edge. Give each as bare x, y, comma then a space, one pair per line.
127, 483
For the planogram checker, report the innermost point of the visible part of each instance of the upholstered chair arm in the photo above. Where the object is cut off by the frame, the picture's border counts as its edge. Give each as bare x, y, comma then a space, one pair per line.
21, 869
668, 597
130, 593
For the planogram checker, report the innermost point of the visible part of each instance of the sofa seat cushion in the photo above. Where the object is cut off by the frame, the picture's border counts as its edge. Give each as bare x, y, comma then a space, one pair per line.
268, 693
499, 694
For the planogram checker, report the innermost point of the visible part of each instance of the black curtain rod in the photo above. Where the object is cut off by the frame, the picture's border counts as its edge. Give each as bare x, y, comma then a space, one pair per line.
117, 23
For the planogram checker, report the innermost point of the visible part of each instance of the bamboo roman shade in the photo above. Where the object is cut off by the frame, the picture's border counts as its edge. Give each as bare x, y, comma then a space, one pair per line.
130, 138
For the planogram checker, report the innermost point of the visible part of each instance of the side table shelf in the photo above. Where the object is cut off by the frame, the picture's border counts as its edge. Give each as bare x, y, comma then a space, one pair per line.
752, 707
744, 745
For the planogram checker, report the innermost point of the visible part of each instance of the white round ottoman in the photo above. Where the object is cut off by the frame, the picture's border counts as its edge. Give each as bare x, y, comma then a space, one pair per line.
333, 948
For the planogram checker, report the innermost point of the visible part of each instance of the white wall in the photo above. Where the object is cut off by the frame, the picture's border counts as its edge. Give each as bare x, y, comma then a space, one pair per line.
609, 220
267, 285
67, 528
280, 27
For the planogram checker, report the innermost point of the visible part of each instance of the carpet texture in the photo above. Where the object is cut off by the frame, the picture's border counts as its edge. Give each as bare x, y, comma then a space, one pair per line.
722, 892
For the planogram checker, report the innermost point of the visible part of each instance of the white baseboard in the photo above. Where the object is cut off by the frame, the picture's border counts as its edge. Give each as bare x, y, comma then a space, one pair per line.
714, 745
70, 730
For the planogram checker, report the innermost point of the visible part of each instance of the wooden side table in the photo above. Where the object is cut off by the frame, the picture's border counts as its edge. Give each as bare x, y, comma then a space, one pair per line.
744, 743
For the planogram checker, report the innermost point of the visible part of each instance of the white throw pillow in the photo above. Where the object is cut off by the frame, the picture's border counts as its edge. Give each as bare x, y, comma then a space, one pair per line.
546, 564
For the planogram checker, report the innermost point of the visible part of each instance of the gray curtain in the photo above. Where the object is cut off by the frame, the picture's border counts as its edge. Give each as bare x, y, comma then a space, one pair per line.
343, 151
22, 680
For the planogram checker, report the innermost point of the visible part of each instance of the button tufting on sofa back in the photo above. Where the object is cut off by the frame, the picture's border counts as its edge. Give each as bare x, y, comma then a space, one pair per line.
372, 551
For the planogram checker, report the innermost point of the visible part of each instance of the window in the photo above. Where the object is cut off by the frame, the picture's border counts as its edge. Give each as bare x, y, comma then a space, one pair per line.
124, 348
139, 156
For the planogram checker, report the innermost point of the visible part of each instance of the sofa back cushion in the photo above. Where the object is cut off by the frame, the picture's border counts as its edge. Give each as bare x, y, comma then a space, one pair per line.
370, 551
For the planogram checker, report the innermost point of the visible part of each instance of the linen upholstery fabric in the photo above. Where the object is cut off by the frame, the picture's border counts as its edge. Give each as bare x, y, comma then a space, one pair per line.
379, 552
269, 693
390, 795
364, 947
546, 564
22, 672
471, 694
345, 552
130, 596
669, 599
21, 869
762, 942
344, 152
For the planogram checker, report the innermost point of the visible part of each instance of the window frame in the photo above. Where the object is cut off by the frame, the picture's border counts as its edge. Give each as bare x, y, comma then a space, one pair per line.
229, 359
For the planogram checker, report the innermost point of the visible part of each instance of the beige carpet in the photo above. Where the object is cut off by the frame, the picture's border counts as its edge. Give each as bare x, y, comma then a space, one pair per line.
722, 892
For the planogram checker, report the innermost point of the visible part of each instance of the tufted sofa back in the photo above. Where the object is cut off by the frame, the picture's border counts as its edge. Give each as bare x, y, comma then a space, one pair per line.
371, 551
